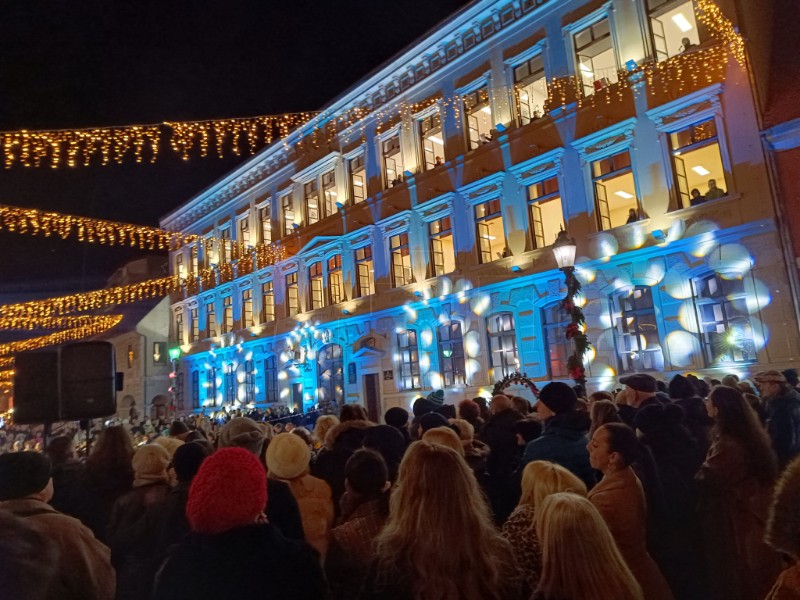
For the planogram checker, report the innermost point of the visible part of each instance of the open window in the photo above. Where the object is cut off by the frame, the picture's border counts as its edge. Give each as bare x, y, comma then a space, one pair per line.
637, 338
478, 117
697, 163
595, 57
531, 89
401, 260
673, 27
489, 229
358, 179
615, 190
392, 161
546, 212
430, 132
443, 259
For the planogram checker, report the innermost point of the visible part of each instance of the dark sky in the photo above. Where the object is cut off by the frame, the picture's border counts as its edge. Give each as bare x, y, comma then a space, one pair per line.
107, 62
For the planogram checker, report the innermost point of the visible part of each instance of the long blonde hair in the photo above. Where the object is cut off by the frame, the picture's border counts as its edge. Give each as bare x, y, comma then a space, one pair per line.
541, 478
439, 535
580, 558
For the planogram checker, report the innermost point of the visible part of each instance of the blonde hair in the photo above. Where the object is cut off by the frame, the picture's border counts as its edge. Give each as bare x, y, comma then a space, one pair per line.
541, 479
324, 424
466, 432
439, 534
444, 436
580, 558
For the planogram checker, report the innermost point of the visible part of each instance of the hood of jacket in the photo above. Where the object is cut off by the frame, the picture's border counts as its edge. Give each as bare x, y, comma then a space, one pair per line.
343, 433
571, 425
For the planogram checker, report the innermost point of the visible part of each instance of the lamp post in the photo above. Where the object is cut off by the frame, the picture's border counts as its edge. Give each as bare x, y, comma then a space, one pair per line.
564, 251
174, 355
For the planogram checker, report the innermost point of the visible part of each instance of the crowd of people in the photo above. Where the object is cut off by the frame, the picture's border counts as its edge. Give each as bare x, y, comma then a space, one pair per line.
684, 490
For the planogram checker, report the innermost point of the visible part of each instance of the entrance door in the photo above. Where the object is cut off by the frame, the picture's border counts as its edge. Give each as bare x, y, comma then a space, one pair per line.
297, 397
372, 395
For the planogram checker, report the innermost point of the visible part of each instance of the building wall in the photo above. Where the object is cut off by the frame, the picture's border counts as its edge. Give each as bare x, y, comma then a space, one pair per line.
664, 255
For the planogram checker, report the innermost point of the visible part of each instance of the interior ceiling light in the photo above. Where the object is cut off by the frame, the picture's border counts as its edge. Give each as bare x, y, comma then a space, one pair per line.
682, 22
700, 170
625, 195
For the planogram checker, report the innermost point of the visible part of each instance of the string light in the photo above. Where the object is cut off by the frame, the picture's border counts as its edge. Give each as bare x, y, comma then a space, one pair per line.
721, 28
60, 337
70, 322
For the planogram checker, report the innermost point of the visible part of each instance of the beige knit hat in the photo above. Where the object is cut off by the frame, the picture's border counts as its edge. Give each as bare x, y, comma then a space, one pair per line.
150, 464
244, 433
170, 444
287, 456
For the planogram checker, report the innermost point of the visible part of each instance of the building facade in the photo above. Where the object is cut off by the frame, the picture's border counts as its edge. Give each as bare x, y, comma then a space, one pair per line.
416, 235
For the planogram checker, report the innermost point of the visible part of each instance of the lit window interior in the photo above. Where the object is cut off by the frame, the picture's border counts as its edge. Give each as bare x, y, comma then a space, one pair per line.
392, 161
547, 216
442, 251
358, 181
615, 191
671, 26
531, 88
479, 118
697, 160
432, 141
596, 63
491, 237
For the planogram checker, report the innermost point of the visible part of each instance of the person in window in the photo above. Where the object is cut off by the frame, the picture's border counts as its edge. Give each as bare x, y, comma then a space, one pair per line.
697, 197
686, 43
438, 161
713, 191
633, 216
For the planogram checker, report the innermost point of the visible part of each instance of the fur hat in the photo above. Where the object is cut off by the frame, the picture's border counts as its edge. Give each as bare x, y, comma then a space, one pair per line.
187, 460
558, 397
287, 456
170, 444
150, 464
242, 432
769, 377
22, 474
229, 490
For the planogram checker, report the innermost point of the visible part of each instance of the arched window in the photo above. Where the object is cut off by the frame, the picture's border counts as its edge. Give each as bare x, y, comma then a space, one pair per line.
330, 375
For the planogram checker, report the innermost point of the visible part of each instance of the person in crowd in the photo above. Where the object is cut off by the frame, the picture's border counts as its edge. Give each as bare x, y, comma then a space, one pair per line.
439, 540
527, 430
791, 377
431, 421
782, 404
83, 564
539, 480
602, 412
389, 443
305, 435
353, 412
446, 437
735, 486
620, 500
695, 416
713, 191
398, 418
580, 558
600, 395
233, 551
179, 430
500, 434
170, 444
324, 424
783, 532
365, 508
483, 406
136, 524
564, 439
476, 452
521, 405
639, 391
471, 413
67, 473
731, 380
28, 559
283, 512
340, 444
288, 459
108, 475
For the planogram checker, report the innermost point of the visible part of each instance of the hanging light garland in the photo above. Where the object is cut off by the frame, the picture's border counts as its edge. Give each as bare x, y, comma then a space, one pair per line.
60, 337
721, 28
49, 323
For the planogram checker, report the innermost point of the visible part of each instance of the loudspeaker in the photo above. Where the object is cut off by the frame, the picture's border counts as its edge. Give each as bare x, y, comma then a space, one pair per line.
36, 387
88, 381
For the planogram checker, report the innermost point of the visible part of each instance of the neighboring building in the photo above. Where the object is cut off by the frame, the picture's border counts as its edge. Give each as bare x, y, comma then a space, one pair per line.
418, 237
141, 345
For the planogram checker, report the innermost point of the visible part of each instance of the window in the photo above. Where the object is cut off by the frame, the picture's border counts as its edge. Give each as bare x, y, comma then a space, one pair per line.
725, 330
430, 132
227, 314
195, 389
247, 308
554, 323
316, 290
531, 88
267, 302
546, 214
249, 381
615, 191
287, 209
408, 360
230, 383
180, 270
358, 179
392, 161
491, 237
443, 257
211, 386
265, 223
271, 379
594, 51
330, 375
211, 320
179, 327
225, 245
193, 260
365, 280
673, 26
194, 325
401, 260
292, 294
502, 344
209, 252
478, 115
312, 202
451, 354
244, 232
329, 193
637, 340
696, 162
335, 285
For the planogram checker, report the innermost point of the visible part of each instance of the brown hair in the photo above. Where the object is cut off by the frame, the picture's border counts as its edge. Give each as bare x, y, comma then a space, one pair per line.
602, 412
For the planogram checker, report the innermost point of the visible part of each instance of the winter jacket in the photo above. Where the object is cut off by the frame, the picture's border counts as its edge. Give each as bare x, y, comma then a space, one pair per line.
282, 510
628, 413
619, 498
500, 435
313, 497
563, 442
340, 444
254, 561
66, 487
84, 566
783, 425
97, 492
521, 534
787, 587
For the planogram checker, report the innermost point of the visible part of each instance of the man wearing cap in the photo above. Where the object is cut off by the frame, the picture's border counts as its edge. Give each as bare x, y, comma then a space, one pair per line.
564, 438
84, 566
640, 391
783, 414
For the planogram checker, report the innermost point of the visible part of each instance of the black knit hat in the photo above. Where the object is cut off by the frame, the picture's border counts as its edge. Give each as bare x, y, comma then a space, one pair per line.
187, 460
23, 474
655, 417
396, 417
432, 421
558, 397
178, 428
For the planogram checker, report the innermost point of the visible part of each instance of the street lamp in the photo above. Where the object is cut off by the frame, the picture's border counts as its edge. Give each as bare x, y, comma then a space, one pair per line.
564, 251
174, 355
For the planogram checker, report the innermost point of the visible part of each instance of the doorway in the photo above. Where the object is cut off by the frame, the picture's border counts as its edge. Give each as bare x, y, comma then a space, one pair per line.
372, 396
297, 397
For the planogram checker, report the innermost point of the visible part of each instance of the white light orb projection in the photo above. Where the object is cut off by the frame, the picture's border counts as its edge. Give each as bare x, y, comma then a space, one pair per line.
604, 245
677, 285
681, 346
730, 261
585, 275
480, 303
472, 344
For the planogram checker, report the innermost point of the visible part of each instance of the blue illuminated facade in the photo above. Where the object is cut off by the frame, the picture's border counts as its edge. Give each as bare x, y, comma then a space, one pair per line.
419, 237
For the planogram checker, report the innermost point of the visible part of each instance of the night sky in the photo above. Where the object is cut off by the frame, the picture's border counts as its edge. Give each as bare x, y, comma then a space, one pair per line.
101, 63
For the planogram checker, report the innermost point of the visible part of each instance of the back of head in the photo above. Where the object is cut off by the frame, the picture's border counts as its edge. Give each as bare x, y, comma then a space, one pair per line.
150, 464
602, 412
469, 410
28, 559
601, 395
541, 479
170, 444
500, 402
731, 380
60, 450
396, 417
783, 526
466, 432
353, 412
288, 456
431, 421
304, 434
187, 460
229, 490
23, 474
241, 432
366, 473
444, 436
791, 377
656, 419
521, 405
112, 450
558, 397
622, 440
580, 558
177, 428
324, 424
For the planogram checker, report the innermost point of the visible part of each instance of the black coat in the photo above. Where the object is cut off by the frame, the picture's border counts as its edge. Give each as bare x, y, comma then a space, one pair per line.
249, 562
282, 510
500, 435
783, 425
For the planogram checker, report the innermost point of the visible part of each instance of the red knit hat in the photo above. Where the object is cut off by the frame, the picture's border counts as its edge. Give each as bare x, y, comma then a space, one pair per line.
229, 490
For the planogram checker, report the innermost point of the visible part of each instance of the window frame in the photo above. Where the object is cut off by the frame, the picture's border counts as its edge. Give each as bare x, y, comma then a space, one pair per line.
622, 328
534, 205
316, 285
474, 101
211, 319
271, 386
368, 264
503, 335
434, 239
408, 369
292, 300
456, 374
404, 249
227, 314
382, 140
480, 222
536, 53
287, 207
588, 23
429, 123
361, 172
264, 218
553, 334
335, 279
267, 308
247, 300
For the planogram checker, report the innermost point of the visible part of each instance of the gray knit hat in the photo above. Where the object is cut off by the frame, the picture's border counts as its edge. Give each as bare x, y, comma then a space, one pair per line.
242, 432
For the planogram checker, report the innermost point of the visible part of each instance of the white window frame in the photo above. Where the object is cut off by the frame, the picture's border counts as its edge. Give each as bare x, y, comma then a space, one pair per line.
573, 28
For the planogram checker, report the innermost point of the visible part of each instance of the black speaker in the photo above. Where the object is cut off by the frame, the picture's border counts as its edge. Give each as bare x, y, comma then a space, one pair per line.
36, 387
88, 381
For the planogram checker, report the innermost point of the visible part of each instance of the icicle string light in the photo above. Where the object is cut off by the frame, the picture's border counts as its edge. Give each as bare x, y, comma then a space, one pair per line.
69, 322
721, 28
68, 335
